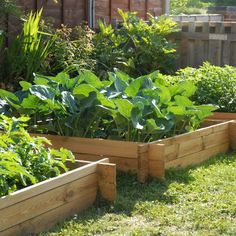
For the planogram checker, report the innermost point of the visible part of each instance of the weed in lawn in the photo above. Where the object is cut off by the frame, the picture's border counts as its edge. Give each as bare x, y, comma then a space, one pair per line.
194, 201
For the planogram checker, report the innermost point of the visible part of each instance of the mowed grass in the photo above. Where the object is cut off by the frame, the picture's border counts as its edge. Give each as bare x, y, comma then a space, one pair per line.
195, 201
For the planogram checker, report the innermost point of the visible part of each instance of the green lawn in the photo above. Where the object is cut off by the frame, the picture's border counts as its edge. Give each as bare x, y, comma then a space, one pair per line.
195, 201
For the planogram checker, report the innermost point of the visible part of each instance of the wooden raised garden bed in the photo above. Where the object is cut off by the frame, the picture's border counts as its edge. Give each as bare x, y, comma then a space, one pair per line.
223, 116
38, 207
155, 157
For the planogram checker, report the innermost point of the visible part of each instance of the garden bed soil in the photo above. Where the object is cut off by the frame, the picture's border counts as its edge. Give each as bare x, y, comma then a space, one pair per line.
39, 207
152, 159
223, 116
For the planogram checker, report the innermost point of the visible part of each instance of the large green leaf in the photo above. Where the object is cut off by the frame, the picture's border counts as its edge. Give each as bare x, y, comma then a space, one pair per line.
124, 107
69, 101
43, 92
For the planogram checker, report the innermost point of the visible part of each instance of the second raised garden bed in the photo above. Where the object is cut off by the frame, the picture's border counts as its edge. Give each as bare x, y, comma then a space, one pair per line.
152, 159
223, 116
38, 207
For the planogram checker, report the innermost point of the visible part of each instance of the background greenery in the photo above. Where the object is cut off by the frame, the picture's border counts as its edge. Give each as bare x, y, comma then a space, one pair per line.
197, 6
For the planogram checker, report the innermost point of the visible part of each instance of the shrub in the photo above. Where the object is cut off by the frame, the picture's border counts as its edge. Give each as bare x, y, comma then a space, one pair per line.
25, 160
136, 47
72, 49
141, 109
215, 85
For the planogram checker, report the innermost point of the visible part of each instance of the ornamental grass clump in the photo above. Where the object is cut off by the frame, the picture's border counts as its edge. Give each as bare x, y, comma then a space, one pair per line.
25, 160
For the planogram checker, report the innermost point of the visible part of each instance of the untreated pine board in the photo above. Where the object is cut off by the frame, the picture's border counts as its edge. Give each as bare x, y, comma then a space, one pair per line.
223, 116
198, 157
232, 134
47, 220
195, 134
143, 162
122, 163
107, 181
47, 201
95, 146
156, 160
49, 184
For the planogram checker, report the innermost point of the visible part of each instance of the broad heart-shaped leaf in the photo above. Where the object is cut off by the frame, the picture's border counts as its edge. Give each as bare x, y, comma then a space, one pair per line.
177, 110
205, 110
163, 93
123, 76
4, 94
183, 101
30, 102
134, 87
136, 117
152, 127
84, 90
43, 92
124, 107
184, 88
25, 85
120, 85
69, 101
90, 78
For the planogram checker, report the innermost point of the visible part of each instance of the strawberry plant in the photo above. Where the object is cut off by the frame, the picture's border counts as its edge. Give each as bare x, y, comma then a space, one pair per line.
25, 160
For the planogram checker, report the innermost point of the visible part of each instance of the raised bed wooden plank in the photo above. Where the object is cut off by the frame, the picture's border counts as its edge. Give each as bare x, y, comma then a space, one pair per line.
95, 146
47, 220
223, 116
44, 202
38, 207
151, 158
197, 157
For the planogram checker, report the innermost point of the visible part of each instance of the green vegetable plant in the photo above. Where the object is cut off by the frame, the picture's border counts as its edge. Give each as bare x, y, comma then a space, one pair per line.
215, 85
136, 47
25, 160
141, 109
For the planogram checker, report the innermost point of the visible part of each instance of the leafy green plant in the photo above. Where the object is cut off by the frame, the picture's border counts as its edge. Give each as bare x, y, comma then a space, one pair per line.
136, 47
72, 49
141, 109
25, 160
215, 85
27, 53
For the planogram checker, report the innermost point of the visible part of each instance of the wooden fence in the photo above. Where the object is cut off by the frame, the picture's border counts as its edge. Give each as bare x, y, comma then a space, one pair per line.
206, 41
73, 12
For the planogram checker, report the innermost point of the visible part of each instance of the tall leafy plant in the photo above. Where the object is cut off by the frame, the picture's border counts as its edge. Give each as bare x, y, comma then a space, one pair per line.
136, 47
25, 160
141, 109
27, 53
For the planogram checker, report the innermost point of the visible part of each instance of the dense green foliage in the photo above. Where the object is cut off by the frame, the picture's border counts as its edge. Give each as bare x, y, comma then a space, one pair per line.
140, 109
197, 201
136, 47
215, 85
72, 49
26, 54
25, 160
197, 6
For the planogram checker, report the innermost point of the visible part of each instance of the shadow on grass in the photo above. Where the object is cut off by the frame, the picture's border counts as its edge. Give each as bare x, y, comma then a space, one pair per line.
130, 191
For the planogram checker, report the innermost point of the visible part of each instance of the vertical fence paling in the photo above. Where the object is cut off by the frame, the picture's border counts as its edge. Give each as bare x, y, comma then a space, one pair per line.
206, 41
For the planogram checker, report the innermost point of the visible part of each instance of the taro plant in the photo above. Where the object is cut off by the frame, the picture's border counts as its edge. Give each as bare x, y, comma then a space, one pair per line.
141, 109
25, 160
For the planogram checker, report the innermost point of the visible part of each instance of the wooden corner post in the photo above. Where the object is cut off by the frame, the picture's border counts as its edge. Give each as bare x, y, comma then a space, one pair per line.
156, 160
232, 134
107, 181
142, 163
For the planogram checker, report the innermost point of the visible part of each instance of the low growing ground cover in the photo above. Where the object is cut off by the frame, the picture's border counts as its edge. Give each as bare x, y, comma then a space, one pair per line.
195, 201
